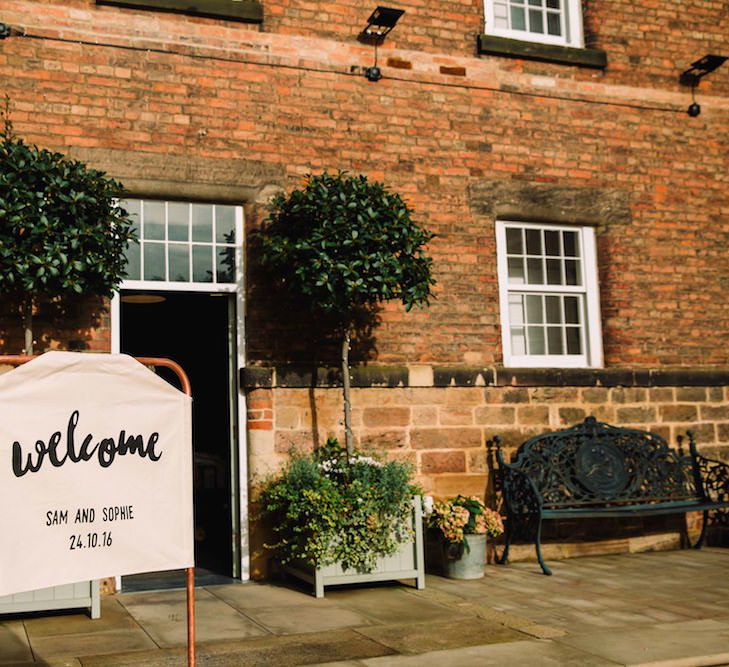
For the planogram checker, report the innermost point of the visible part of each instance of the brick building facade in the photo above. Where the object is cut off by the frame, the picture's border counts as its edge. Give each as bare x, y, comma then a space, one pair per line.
578, 128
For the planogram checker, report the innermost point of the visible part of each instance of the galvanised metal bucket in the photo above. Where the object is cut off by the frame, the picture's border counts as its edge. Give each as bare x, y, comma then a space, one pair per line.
472, 562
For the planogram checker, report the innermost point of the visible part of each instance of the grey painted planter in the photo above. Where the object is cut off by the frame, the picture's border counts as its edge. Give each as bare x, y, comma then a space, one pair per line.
407, 563
472, 562
72, 596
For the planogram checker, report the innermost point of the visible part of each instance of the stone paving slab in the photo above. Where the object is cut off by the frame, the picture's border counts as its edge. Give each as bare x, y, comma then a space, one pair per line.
660, 644
388, 604
164, 618
14, 645
605, 609
414, 638
94, 643
513, 654
289, 651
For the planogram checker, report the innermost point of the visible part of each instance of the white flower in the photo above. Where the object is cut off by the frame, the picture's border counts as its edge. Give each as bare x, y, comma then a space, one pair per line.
427, 505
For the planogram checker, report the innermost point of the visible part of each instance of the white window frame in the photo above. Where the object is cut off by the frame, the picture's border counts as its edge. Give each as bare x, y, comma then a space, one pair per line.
191, 286
238, 289
571, 25
592, 338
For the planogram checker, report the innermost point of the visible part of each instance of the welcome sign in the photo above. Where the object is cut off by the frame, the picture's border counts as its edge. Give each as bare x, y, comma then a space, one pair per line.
95, 471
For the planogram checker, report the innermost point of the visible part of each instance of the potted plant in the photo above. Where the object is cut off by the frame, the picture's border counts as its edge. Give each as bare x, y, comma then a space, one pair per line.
462, 525
341, 519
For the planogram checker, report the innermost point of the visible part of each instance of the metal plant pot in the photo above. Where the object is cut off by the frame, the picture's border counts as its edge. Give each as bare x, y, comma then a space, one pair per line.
471, 562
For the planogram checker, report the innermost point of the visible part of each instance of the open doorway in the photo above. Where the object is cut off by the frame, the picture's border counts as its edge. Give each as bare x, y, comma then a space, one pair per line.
197, 331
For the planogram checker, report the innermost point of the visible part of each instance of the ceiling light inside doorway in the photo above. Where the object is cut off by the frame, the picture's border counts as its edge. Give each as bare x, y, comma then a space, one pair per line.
143, 298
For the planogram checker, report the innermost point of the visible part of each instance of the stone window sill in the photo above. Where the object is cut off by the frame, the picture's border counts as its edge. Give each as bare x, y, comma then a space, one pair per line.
566, 55
249, 11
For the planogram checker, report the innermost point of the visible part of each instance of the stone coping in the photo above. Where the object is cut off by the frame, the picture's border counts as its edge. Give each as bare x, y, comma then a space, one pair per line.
551, 53
421, 375
249, 11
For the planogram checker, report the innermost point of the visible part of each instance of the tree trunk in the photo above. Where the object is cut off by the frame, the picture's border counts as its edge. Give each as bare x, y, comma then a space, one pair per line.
349, 440
28, 325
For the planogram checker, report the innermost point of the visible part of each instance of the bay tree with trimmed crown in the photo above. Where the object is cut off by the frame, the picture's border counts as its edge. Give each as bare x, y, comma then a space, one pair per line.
346, 244
62, 230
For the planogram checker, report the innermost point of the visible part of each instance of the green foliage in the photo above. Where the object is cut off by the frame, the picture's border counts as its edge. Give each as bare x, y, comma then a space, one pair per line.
325, 508
457, 517
344, 242
61, 230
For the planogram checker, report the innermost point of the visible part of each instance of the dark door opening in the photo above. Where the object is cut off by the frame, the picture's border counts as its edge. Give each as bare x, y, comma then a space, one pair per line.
193, 330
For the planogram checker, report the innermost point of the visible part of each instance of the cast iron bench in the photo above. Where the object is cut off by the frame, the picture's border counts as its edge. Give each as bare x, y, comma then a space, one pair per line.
597, 470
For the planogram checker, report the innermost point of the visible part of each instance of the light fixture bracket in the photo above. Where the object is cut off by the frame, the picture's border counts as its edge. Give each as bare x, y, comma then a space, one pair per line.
700, 68
380, 24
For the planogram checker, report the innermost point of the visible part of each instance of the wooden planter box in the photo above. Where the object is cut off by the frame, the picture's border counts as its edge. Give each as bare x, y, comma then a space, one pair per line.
407, 563
72, 596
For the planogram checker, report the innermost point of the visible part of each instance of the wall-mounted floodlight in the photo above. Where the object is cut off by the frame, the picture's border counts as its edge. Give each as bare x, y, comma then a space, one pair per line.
693, 75
379, 25
5, 30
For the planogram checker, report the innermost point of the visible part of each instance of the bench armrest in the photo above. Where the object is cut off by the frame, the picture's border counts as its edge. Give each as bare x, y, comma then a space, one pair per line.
520, 494
713, 475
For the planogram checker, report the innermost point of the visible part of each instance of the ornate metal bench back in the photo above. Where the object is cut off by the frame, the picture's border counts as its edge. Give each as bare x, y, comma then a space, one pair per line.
594, 463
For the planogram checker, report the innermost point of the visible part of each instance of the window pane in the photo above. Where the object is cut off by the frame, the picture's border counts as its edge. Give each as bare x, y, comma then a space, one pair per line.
571, 310
516, 270
554, 272
554, 25
535, 272
535, 3
572, 272
226, 264
133, 207
554, 309
534, 241
154, 220
516, 309
225, 224
536, 340
202, 222
518, 21
514, 244
551, 242
133, 255
574, 345
154, 261
202, 264
536, 21
177, 221
178, 256
554, 340
534, 309
553, 4
571, 246
518, 341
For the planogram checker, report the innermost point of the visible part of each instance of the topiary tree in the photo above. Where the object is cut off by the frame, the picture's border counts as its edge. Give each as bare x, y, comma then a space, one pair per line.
61, 228
346, 244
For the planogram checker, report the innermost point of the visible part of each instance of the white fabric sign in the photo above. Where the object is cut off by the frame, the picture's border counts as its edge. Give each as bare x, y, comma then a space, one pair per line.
95, 471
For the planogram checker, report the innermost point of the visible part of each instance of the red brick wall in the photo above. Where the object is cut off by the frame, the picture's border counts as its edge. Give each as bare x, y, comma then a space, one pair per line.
292, 103
442, 125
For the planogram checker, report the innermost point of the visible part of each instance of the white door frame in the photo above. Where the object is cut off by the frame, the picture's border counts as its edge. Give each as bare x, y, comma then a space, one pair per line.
243, 547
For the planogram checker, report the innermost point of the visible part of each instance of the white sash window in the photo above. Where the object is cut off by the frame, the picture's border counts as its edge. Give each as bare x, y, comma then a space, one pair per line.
545, 21
550, 311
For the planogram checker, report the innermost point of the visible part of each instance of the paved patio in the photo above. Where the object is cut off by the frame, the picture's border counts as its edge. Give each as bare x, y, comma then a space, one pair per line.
667, 608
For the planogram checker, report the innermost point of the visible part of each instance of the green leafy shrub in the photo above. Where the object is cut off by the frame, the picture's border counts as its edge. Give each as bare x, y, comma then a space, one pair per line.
327, 508
61, 228
345, 244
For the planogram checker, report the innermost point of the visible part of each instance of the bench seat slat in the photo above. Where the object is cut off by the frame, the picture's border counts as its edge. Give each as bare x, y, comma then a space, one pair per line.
632, 510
